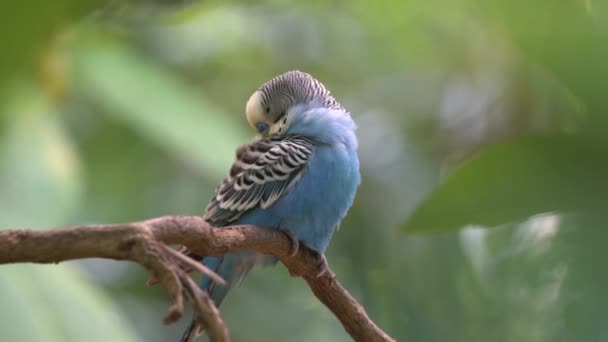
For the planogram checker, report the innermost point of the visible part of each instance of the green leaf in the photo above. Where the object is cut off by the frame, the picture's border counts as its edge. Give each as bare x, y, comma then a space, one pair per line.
54, 303
571, 41
516, 179
36, 23
41, 186
156, 103
40, 173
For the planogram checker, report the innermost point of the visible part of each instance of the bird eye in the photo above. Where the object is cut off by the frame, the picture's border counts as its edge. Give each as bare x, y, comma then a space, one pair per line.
267, 110
261, 127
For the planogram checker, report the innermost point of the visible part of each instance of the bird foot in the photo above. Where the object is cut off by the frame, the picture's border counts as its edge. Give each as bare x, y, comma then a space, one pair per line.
295, 243
322, 266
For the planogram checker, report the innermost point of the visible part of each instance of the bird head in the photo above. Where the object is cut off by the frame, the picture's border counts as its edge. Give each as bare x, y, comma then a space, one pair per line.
270, 109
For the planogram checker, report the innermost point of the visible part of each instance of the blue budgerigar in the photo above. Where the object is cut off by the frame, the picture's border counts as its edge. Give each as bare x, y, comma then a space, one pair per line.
300, 176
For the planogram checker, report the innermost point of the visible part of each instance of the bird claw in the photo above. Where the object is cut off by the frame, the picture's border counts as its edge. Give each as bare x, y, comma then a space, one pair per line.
295, 243
322, 266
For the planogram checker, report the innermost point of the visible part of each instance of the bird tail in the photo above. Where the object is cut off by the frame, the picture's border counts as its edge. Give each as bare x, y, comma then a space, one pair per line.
232, 268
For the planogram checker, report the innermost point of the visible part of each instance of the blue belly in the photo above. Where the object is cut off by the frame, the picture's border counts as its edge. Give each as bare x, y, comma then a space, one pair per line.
314, 207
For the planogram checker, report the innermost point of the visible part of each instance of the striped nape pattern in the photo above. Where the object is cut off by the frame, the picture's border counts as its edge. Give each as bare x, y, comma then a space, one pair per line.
295, 87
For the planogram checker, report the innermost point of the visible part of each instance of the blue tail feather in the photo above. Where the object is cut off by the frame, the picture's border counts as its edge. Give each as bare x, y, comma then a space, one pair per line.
232, 268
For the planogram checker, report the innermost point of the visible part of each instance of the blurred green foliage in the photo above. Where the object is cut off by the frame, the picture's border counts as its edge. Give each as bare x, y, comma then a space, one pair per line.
472, 114
521, 178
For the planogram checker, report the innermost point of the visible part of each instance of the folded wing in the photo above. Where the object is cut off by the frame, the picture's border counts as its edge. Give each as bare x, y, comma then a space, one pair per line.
264, 170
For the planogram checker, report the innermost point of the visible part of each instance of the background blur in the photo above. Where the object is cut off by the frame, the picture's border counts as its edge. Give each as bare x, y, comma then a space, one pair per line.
472, 115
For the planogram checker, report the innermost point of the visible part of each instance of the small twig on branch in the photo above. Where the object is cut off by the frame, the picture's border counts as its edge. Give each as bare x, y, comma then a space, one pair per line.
146, 243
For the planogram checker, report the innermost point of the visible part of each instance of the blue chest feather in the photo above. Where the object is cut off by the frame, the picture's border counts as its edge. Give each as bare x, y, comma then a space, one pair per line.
316, 204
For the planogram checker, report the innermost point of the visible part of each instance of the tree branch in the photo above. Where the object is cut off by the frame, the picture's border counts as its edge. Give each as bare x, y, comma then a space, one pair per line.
146, 242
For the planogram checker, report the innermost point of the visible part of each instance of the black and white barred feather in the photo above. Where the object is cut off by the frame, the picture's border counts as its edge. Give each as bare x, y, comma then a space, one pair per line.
263, 171
297, 87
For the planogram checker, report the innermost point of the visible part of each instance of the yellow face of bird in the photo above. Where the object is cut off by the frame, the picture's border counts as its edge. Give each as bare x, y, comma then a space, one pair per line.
257, 115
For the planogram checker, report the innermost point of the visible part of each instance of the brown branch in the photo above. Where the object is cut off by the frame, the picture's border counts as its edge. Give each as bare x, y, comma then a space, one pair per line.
146, 243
